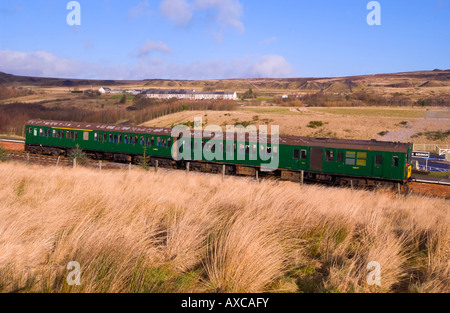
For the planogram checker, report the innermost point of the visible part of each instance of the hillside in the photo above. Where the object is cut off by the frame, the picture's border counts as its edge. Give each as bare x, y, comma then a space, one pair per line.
438, 80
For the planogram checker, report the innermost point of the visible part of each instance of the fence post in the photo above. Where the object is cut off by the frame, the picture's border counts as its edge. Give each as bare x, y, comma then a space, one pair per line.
257, 176
100, 165
28, 157
156, 166
302, 177
187, 167
57, 162
74, 162
223, 172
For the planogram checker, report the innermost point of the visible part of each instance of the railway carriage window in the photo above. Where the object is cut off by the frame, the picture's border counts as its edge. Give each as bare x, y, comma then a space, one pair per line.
104, 137
304, 154
362, 159
350, 158
241, 148
247, 149
136, 139
296, 154
329, 156
262, 152
71, 135
95, 136
54, 134
116, 139
85, 135
35, 131
152, 141
275, 151
142, 140
158, 141
40, 132
147, 141
49, 133
68, 134
120, 138
164, 142
126, 139
30, 130
340, 157
395, 161
111, 138
378, 160
76, 136
169, 142
57, 134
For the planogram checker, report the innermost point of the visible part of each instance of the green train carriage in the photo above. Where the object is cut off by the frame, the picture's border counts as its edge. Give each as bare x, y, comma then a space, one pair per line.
335, 160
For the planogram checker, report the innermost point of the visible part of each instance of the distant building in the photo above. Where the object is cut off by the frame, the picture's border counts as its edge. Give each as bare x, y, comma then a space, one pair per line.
134, 92
116, 91
104, 90
188, 94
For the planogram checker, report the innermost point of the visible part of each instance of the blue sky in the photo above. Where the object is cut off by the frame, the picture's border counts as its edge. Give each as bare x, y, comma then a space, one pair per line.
216, 39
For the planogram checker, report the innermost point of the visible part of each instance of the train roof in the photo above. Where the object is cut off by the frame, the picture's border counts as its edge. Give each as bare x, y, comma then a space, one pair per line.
285, 140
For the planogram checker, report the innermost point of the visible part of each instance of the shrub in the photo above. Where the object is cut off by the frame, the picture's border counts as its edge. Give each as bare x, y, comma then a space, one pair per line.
79, 155
4, 156
315, 124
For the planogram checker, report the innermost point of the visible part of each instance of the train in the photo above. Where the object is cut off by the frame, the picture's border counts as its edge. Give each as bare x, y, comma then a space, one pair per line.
328, 160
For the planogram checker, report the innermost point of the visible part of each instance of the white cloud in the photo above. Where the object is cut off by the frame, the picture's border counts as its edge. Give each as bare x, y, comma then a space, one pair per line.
152, 46
139, 10
178, 11
269, 41
45, 64
226, 12
271, 66
39, 63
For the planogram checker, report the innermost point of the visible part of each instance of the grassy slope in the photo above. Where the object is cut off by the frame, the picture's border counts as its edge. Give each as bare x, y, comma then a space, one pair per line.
167, 232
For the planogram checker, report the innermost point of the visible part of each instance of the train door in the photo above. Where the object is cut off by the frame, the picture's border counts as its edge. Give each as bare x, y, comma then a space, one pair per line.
378, 166
316, 159
296, 159
175, 149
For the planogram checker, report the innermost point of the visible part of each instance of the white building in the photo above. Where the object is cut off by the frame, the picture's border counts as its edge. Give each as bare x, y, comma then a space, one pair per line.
189, 94
104, 90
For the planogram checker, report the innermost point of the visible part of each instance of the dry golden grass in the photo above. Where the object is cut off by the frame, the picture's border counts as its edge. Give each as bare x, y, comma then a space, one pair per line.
345, 123
171, 232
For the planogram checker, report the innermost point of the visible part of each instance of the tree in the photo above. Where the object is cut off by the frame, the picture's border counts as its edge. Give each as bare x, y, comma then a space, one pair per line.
249, 94
78, 154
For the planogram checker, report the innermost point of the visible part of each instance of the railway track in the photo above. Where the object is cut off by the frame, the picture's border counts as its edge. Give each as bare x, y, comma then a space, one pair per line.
419, 186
